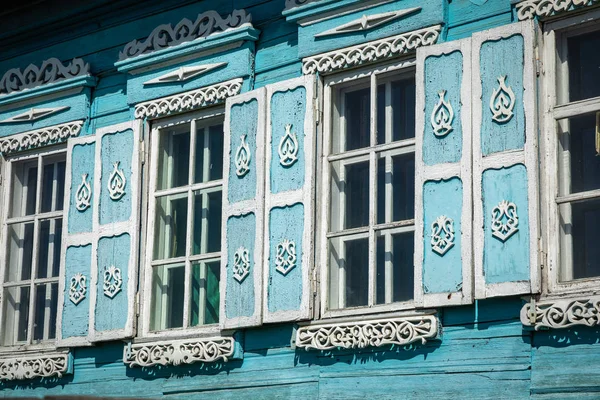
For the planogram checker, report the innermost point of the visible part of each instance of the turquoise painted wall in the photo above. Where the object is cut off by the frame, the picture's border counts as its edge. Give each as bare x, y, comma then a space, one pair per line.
75, 321
244, 121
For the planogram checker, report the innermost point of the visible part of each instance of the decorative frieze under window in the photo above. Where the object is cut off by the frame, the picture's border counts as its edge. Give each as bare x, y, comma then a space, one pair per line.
40, 137
361, 334
179, 352
37, 366
563, 313
529, 9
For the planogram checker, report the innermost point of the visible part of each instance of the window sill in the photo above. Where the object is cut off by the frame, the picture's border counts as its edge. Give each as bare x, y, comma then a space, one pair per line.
35, 365
562, 312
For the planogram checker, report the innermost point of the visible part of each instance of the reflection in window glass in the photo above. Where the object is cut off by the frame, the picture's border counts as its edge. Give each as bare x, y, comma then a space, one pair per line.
173, 158
170, 222
205, 293
168, 290
584, 63
395, 264
349, 273
207, 220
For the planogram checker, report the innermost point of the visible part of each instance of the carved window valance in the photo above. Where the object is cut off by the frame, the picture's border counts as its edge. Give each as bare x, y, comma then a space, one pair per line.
289, 4
528, 9
563, 313
40, 137
35, 366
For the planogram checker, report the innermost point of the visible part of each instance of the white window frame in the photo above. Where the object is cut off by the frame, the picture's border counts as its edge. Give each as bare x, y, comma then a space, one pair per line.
148, 245
552, 111
370, 153
5, 189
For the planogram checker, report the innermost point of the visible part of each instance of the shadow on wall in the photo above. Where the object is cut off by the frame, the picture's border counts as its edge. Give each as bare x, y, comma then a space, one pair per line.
566, 337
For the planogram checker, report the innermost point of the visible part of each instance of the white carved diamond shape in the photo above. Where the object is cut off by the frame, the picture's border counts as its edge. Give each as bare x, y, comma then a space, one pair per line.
83, 195
442, 116
288, 147
241, 264
116, 183
78, 288
112, 281
242, 158
285, 259
505, 221
442, 235
502, 102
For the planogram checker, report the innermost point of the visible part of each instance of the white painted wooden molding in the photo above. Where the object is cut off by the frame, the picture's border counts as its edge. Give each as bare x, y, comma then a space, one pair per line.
34, 114
78, 288
367, 22
373, 51
289, 4
562, 313
40, 137
188, 101
529, 9
183, 74
37, 366
179, 352
374, 333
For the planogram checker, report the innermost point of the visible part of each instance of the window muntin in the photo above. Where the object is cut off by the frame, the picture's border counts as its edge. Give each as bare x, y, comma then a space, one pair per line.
186, 236
33, 243
371, 182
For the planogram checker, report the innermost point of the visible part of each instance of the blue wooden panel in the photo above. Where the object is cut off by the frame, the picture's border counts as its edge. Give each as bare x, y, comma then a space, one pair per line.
442, 274
82, 162
241, 232
243, 121
285, 291
76, 316
111, 313
462, 12
506, 261
497, 137
443, 73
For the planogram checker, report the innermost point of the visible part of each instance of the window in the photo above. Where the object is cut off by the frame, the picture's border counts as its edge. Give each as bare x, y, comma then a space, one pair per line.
185, 239
32, 232
370, 171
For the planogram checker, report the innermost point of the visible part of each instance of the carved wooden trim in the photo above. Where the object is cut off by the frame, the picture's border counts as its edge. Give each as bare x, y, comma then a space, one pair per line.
40, 137
33, 114
361, 334
371, 51
165, 35
179, 352
52, 70
187, 101
529, 9
559, 314
289, 4
37, 366
368, 22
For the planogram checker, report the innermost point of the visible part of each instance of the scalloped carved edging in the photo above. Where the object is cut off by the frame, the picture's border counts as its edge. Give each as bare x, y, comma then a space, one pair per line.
179, 352
561, 314
30, 367
166, 35
361, 334
52, 70
188, 101
289, 4
529, 9
40, 137
371, 51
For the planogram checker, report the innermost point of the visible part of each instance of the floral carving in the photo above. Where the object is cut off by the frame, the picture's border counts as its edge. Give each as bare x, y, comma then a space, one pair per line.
442, 235
83, 195
183, 74
179, 352
288, 147
358, 335
41, 366
289, 4
112, 281
285, 259
41, 137
505, 221
562, 313
165, 35
78, 288
529, 9
442, 116
242, 158
116, 182
241, 264
367, 22
502, 102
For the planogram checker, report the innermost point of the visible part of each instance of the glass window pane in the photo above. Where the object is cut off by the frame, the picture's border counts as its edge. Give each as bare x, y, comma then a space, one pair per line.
53, 186
349, 195
44, 322
207, 221
20, 252
16, 315
168, 290
173, 157
24, 188
358, 116
395, 271
580, 230
584, 63
49, 248
209, 154
348, 273
205, 293
403, 106
381, 101
396, 188
170, 226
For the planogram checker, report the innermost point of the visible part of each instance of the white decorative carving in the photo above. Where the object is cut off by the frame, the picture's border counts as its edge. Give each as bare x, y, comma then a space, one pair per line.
442, 235
529, 9
78, 288
371, 51
361, 334
242, 158
179, 352
83, 195
288, 147
500, 229
187, 101
367, 22
30, 367
40, 137
183, 74
285, 259
165, 35
442, 116
559, 314
289, 4
502, 102
112, 281
34, 114
51, 70
116, 182
241, 264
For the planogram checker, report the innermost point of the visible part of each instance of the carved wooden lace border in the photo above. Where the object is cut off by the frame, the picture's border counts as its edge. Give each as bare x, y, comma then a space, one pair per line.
38, 366
529, 9
40, 137
560, 314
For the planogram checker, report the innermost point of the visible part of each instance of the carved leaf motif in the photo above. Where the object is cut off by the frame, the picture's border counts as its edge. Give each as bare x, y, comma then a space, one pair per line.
242, 158
78, 288
561, 314
112, 281
502, 102
40, 137
528, 9
442, 116
289, 4
83, 195
116, 182
288, 147
42, 366
505, 221
442, 235
285, 259
241, 264
367, 22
